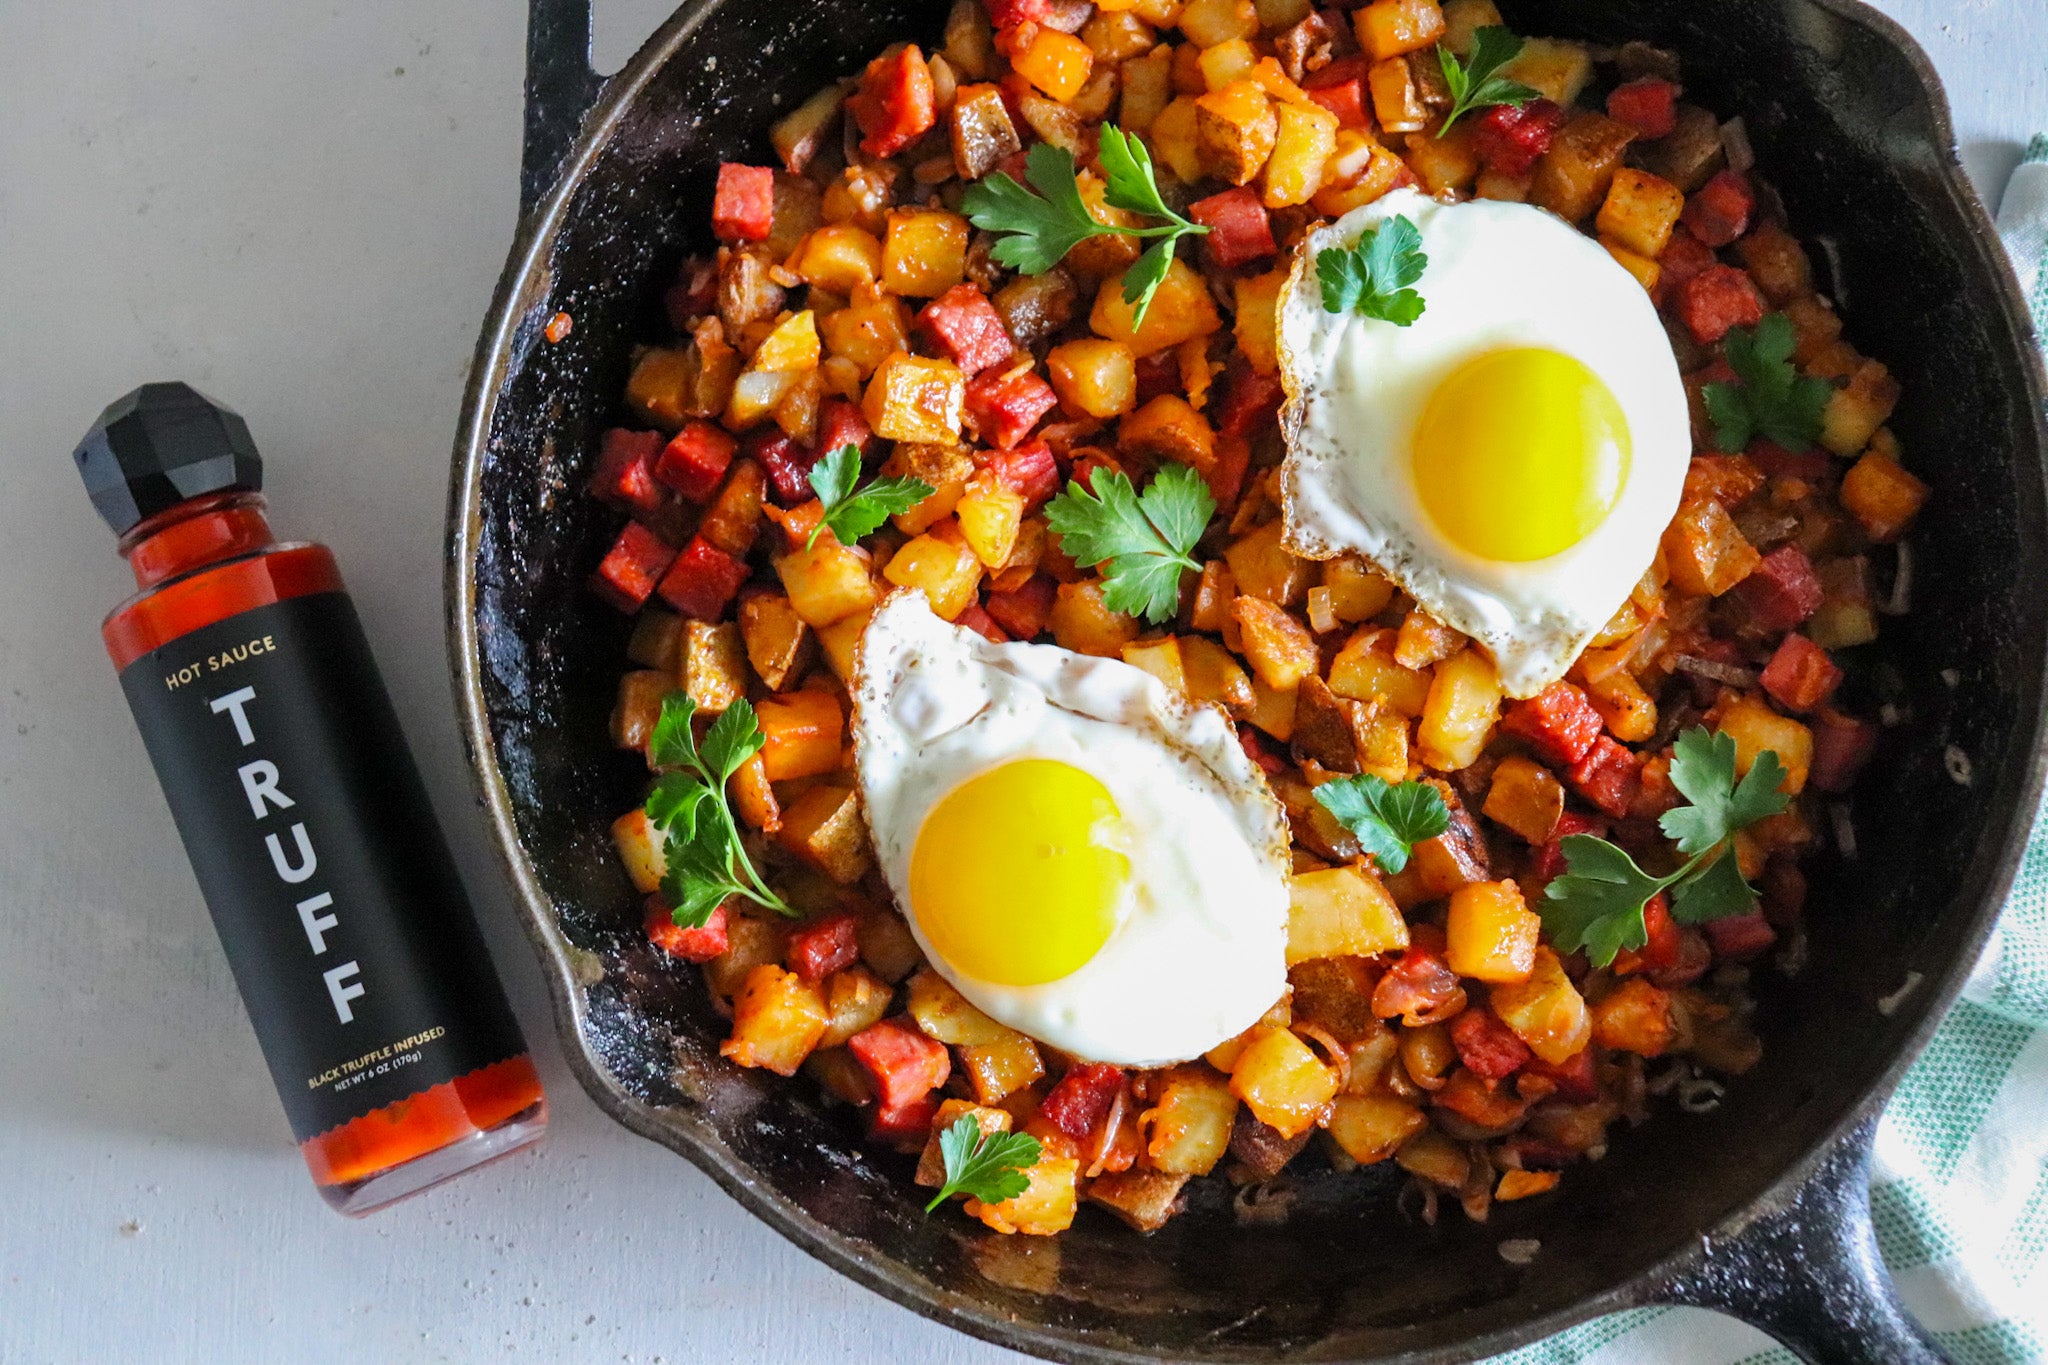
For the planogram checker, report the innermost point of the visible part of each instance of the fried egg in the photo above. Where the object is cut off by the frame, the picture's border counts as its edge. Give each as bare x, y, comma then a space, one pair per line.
1086, 856
1512, 458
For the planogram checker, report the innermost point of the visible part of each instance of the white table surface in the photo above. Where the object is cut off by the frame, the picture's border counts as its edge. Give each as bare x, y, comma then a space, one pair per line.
302, 208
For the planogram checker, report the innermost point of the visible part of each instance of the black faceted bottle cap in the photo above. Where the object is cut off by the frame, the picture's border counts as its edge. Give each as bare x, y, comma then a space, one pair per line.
162, 445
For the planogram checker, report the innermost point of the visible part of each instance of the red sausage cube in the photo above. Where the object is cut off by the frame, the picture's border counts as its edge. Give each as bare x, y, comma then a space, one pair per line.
1510, 140
1340, 88
1780, 592
906, 1127
695, 460
1559, 722
841, 423
1740, 937
1005, 408
1239, 229
1719, 212
1157, 373
1004, 13
1577, 1081
743, 210
1488, 1048
1841, 746
703, 580
632, 567
1800, 676
822, 947
1029, 469
1716, 300
1249, 400
691, 945
1685, 256
1650, 106
894, 105
1082, 1098
1607, 777
904, 1064
787, 464
973, 617
965, 327
1023, 611
625, 472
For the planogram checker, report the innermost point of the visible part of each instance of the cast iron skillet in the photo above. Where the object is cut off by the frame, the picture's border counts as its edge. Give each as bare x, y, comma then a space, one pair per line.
1759, 1208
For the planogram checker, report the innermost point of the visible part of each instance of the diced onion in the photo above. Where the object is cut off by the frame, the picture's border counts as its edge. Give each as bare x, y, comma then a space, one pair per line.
1735, 144
1700, 1094
1889, 1005
1267, 1202
1837, 284
1715, 671
1902, 585
1957, 763
1519, 1250
1845, 830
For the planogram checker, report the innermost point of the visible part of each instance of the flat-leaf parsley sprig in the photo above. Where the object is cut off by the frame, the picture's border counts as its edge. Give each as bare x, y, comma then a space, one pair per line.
1143, 542
985, 1166
1474, 84
1773, 400
1597, 904
1036, 231
1389, 818
1372, 277
706, 860
852, 514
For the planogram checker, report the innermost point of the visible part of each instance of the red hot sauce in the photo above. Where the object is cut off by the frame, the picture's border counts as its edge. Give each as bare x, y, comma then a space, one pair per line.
383, 1024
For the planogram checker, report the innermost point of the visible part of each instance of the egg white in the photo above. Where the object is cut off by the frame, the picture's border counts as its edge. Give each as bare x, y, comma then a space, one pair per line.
1199, 948
1499, 276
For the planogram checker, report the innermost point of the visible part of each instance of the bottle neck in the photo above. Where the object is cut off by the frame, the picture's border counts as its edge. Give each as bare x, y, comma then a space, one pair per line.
194, 534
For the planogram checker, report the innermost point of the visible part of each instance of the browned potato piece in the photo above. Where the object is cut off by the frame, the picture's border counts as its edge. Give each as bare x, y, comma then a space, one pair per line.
825, 828
1235, 128
1144, 1200
1278, 647
638, 706
1573, 177
1191, 1121
981, 130
779, 644
714, 669
1168, 428
1689, 155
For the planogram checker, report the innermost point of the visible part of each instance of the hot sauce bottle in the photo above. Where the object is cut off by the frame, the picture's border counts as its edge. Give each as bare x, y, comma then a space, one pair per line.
383, 1023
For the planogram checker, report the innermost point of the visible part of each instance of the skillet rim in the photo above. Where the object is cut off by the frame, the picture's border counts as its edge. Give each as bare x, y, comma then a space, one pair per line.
521, 285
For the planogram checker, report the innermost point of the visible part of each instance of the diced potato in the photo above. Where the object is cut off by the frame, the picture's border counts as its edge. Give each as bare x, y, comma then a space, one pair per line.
1370, 1128
943, 1013
942, 465
641, 851
638, 706
1160, 658
1523, 1184
1104, 255
873, 326
923, 254
1143, 1200
1463, 19
1181, 309
1211, 675
1755, 727
1147, 83
1083, 622
913, 398
1423, 640
1094, 377
714, 670
990, 513
1364, 670
1634, 1017
1057, 63
1278, 647
1525, 797
1777, 263
653, 643
1396, 102
1209, 22
1389, 28
944, 568
1574, 176
1546, 1011
854, 999
1235, 128
1646, 271
1435, 1158
931, 1165
1454, 859
791, 346
1304, 137
1257, 322
1168, 428
660, 387
1263, 567
1190, 1124
1556, 69
1356, 592
1458, 718
1883, 495
1226, 62
840, 639
824, 828
1705, 552
750, 942
1492, 933
1272, 709
887, 945
1175, 136
1629, 712
1286, 1086
776, 1021
1047, 1205
1446, 164
1341, 912
998, 1070
1383, 743
1640, 211
839, 258
778, 642
827, 583
1359, 171
1857, 410
801, 734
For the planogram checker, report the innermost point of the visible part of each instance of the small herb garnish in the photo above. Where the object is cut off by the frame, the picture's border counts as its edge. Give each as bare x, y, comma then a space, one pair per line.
1474, 84
1598, 903
1389, 818
1038, 230
985, 1166
851, 514
706, 861
1142, 541
1773, 400
1372, 277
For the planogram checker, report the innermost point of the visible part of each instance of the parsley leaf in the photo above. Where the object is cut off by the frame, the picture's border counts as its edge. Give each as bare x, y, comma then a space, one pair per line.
850, 514
1473, 84
1388, 818
687, 807
985, 1166
1143, 543
1598, 903
1038, 230
1773, 400
1372, 278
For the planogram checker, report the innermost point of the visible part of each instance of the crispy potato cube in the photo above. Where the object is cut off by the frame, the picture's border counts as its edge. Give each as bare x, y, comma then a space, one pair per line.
1435, 1158
1755, 727
912, 398
1574, 176
840, 639
778, 642
1628, 711
872, 327
1634, 1017
931, 1165
1463, 19
801, 735
855, 998
1777, 263
776, 1021
887, 945
1285, 1085
1096, 257
826, 583
1423, 640
1082, 621
714, 665
1094, 377
1160, 658
990, 514
641, 851
1646, 271
1396, 101
1142, 1200
1523, 1184
1047, 1205
1458, 718
1341, 912
1190, 1124
1057, 63
1263, 567
825, 829
1209, 22
1883, 495
638, 706
947, 468
1278, 647
750, 942
1168, 428
1370, 1128
998, 1070
1492, 933
1705, 551
1273, 709
1556, 69
1257, 323
655, 635
924, 253
661, 387
944, 568
1545, 1011
754, 798
1304, 137
1364, 670
1447, 164
1525, 797
1857, 410
839, 258
1226, 62
1356, 592
1359, 171
1456, 858
1180, 310
1640, 211
791, 346
943, 1013
1235, 128
1212, 676
1147, 88
1390, 28
1175, 135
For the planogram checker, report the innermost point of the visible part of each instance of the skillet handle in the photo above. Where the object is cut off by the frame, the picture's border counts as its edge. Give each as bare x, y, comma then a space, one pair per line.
560, 88
1810, 1275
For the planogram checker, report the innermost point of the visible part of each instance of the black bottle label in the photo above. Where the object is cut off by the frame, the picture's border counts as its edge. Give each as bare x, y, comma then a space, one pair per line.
320, 858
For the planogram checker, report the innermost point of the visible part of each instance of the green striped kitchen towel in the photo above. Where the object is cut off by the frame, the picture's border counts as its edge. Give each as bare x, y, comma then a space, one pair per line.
1960, 1188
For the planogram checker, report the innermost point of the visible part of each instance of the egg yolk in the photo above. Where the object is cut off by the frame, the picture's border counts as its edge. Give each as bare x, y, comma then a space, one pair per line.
1520, 454
1017, 872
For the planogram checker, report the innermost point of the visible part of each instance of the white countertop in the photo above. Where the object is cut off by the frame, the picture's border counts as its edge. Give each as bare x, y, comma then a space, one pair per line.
302, 209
